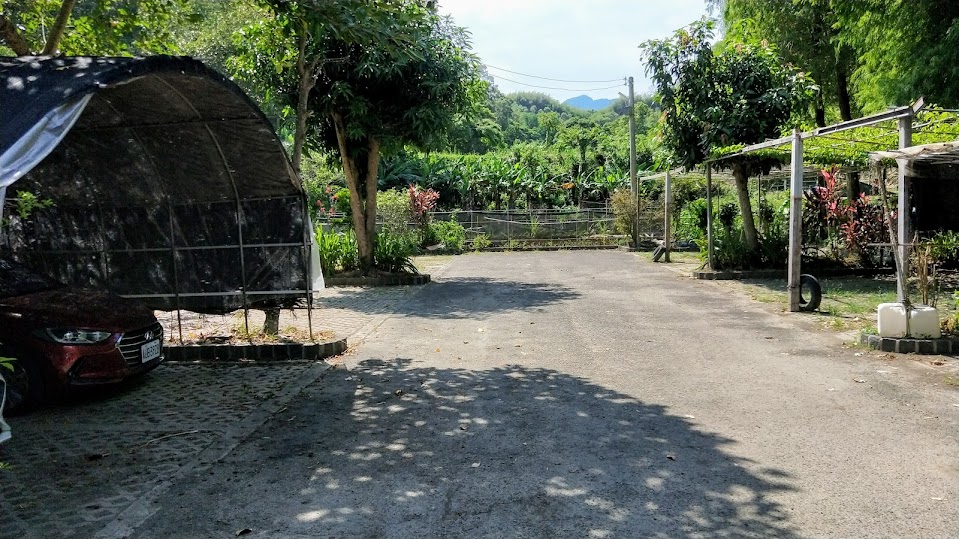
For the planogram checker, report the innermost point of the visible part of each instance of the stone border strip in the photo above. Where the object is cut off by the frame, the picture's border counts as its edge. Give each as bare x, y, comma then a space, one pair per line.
943, 345
255, 352
737, 275
382, 280
552, 248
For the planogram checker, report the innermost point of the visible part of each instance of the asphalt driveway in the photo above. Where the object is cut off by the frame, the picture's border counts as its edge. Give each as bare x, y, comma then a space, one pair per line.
590, 394
582, 394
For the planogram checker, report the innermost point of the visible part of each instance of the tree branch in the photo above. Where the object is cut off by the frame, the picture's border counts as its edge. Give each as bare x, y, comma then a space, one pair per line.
11, 36
59, 27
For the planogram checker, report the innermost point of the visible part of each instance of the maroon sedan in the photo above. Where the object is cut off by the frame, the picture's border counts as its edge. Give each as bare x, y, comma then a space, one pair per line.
63, 337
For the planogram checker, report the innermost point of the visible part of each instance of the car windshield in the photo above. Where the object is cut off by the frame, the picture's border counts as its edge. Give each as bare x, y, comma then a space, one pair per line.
16, 280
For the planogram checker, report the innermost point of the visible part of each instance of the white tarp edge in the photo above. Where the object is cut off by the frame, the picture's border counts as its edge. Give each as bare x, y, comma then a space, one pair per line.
37, 143
316, 270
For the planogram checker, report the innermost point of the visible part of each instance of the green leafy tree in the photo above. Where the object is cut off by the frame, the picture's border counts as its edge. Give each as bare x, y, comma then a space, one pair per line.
550, 124
91, 27
367, 78
806, 33
905, 50
579, 135
741, 95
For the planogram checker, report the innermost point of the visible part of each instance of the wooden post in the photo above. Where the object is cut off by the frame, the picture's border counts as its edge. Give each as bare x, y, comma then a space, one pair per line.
709, 219
904, 212
795, 222
667, 236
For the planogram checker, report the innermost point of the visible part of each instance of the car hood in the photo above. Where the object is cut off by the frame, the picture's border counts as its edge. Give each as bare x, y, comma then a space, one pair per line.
73, 308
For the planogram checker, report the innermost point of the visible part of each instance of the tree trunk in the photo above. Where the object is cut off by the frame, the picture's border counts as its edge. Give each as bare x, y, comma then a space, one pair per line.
11, 36
842, 93
306, 72
271, 325
59, 27
820, 116
372, 180
820, 112
362, 201
854, 187
745, 207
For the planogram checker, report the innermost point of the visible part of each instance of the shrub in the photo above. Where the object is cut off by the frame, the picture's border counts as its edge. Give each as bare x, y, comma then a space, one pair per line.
450, 233
624, 210
341, 202
338, 252
393, 253
730, 250
481, 242
393, 207
727, 214
692, 220
845, 226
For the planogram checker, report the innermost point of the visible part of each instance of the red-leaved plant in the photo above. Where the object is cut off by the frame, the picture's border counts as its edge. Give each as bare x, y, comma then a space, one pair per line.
422, 203
842, 223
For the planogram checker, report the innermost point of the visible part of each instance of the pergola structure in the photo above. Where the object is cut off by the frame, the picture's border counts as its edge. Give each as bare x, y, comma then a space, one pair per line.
896, 127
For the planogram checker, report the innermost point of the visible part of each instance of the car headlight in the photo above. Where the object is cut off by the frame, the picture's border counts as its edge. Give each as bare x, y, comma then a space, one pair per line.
76, 336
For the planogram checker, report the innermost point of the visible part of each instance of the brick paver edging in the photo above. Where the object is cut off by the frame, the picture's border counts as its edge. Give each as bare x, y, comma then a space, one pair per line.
380, 280
255, 352
943, 345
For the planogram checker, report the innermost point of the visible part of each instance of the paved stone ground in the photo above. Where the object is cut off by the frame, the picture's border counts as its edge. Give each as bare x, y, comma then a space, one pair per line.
89, 465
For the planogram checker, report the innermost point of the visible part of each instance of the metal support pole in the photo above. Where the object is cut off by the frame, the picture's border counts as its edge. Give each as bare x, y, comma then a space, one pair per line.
904, 212
309, 236
239, 230
710, 240
795, 222
176, 273
633, 183
667, 236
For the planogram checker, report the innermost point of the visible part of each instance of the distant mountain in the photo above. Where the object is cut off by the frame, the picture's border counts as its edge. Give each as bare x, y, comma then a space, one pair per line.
588, 103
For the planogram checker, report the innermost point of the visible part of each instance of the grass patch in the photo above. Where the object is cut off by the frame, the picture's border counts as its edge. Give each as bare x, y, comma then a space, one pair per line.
682, 257
848, 303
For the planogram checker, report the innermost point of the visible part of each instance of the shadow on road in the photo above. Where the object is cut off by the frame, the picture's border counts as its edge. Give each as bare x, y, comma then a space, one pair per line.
392, 450
475, 296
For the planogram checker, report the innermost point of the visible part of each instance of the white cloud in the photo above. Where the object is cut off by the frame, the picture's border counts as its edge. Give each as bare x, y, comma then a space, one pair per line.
566, 39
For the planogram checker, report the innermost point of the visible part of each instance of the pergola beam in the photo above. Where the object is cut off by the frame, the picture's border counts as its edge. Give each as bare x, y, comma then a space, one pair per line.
893, 114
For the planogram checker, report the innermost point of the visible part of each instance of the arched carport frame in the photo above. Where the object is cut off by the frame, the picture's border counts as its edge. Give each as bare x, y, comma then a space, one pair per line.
169, 184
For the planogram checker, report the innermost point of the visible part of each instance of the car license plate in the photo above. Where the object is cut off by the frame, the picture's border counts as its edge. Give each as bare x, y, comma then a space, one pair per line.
150, 351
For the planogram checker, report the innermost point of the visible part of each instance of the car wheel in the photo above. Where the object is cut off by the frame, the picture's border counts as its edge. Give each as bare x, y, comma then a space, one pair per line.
24, 387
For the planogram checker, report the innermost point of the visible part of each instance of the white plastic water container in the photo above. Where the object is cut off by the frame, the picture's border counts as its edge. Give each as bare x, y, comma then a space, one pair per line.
923, 321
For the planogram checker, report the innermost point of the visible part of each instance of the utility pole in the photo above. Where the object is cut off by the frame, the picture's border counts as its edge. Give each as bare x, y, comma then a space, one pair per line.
633, 184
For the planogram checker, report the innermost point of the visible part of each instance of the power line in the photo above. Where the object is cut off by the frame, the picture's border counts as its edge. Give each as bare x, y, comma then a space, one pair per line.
563, 89
554, 80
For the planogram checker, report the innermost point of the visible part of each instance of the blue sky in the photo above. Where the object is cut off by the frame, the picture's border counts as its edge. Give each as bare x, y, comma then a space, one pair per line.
569, 39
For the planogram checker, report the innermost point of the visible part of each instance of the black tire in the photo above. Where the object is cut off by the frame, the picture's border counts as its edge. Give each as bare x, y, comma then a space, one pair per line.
811, 285
25, 387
